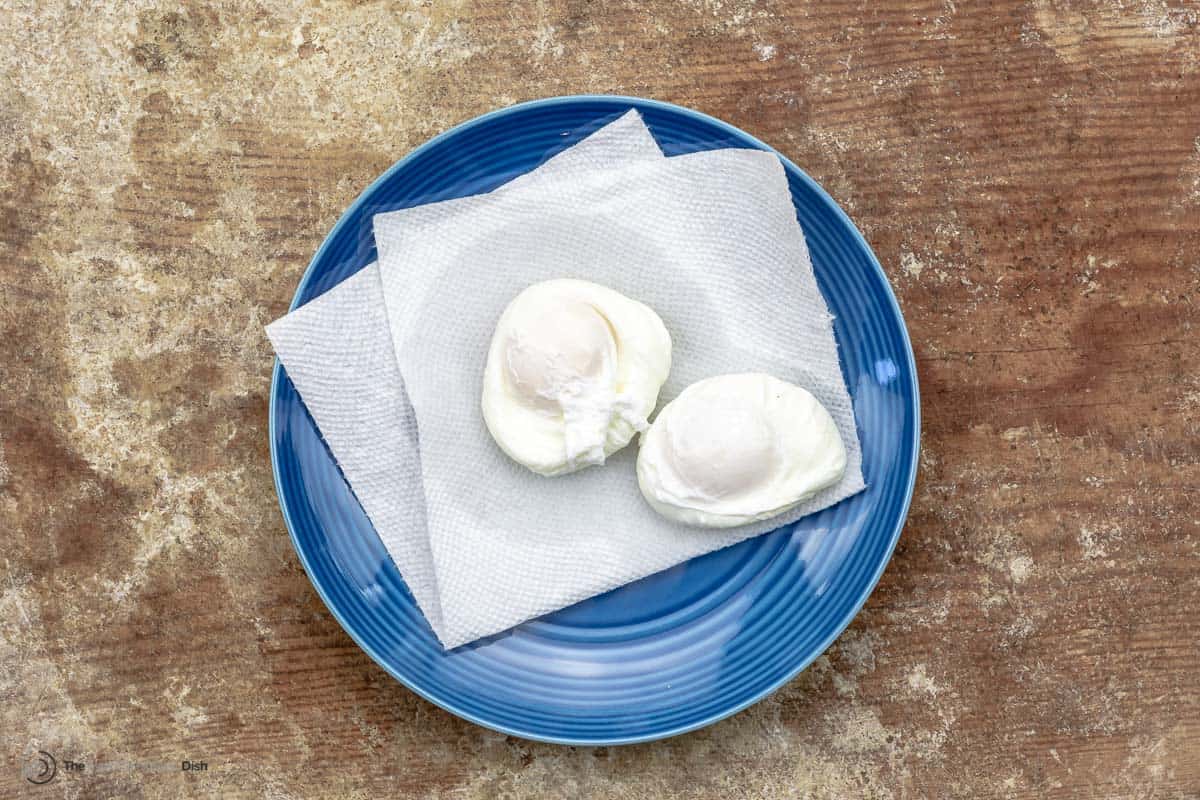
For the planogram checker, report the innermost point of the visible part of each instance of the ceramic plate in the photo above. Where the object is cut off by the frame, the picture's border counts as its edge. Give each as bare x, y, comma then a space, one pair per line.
677, 650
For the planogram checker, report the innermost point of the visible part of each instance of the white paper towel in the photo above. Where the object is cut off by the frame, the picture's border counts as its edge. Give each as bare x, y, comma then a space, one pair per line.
709, 241
337, 350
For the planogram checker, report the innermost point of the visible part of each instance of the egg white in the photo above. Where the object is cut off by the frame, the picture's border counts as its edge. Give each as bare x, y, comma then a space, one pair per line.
735, 449
573, 373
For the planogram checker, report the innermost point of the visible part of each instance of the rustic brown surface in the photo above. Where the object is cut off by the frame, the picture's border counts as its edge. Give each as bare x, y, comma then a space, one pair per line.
1029, 175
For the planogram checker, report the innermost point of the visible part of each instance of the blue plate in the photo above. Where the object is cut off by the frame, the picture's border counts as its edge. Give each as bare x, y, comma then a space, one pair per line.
680, 649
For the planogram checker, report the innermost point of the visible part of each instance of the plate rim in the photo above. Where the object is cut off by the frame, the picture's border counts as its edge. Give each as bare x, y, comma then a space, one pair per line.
447, 704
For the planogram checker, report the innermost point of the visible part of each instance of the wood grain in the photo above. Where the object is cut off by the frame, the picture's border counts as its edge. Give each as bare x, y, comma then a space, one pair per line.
1027, 172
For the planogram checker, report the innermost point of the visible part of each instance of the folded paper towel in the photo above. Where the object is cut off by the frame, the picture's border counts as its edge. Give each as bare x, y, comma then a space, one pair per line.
710, 241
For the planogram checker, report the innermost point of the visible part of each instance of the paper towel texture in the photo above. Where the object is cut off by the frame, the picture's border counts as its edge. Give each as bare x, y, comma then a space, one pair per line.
710, 242
337, 351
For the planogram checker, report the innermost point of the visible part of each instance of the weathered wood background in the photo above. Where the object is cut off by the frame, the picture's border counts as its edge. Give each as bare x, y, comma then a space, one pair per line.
1029, 175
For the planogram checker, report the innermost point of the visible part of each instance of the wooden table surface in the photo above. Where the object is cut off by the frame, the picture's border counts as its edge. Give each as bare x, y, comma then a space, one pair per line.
1029, 175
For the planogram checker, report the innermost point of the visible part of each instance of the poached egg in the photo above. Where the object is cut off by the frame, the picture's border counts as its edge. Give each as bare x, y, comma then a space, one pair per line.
735, 449
573, 372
